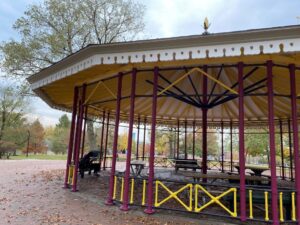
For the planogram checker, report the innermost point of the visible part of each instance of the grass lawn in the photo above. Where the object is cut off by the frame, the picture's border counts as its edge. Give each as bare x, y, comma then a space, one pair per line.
40, 156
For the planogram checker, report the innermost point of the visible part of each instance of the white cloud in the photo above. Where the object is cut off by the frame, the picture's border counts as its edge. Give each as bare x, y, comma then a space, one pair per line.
46, 115
166, 18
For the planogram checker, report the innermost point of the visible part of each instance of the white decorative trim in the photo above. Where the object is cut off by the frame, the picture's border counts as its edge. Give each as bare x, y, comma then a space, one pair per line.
201, 52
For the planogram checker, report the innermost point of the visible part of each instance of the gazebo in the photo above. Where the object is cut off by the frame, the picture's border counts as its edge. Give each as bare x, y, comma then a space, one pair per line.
236, 79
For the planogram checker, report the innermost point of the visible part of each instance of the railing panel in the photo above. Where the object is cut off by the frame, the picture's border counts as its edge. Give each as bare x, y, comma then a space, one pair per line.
211, 199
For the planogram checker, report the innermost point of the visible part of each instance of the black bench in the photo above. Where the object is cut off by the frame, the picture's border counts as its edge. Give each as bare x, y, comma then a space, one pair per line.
186, 164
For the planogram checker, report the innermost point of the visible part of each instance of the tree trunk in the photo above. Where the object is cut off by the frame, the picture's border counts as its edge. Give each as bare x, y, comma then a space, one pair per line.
91, 135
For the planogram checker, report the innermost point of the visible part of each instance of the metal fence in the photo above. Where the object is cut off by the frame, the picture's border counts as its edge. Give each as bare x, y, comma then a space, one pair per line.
210, 199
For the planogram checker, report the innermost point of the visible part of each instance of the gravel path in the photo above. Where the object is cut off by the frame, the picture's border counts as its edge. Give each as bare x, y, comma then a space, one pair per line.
31, 193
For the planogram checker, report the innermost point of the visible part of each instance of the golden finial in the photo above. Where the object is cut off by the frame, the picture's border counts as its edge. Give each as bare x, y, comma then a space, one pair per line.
206, 25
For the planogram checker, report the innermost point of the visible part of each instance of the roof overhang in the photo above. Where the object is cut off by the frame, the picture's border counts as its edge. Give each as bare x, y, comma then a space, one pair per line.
96, 62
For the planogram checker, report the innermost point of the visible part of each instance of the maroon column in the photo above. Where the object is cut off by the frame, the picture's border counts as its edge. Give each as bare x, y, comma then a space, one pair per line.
222, 147
106, 141
102, 139
144, 139
185, 140
194, 131
290, 150
71, 139
124, 206
115, 144
204, 124
231, 148
272, 143
177, 139
138, 139
76, 125
149, 209
174, 143
78, 137
241, 143
76, 130
295, 137
281, 150
84, 130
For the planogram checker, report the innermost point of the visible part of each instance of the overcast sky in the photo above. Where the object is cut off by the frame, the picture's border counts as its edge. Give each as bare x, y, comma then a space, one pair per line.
167, 18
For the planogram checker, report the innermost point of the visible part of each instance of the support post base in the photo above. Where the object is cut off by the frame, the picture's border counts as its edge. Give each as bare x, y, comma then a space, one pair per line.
124, 208
66, 186
149, 211
109, 202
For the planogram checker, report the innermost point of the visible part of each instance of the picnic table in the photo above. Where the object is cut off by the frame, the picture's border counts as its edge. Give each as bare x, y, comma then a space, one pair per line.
257, 170
186, 164
214, 164
232, 178
136, 167
163, 162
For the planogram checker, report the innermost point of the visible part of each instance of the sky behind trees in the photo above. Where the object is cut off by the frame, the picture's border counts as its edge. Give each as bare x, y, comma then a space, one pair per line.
167, 18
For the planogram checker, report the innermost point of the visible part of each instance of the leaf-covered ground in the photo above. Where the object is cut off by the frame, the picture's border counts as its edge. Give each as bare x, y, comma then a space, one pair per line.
31, 193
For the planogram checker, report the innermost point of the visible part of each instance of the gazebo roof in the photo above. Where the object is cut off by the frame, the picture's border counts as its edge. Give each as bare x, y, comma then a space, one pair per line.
180, 58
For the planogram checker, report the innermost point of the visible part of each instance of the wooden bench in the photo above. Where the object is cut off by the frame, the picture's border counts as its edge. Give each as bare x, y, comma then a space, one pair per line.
232, 178
186, 164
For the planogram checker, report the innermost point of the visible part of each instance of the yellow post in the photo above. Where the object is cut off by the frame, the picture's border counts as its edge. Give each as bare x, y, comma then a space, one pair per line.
191, 198
280, 207
122, 189
250, 205
196, 197
70, 177
156, 194
74, 173
132, 188
115, 188
266, 206
234, 202
144, 192
293, 207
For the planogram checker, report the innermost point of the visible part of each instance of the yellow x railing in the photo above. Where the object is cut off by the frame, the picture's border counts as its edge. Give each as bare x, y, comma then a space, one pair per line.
216, 200
193, 192
174, 195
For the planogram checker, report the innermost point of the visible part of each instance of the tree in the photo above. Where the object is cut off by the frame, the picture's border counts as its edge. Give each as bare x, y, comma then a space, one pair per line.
123, 140
256, 142
59, 141
13, 125
64, 122
212, 142
165, 141
56, 28
7, 148
37, 142
58, 137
